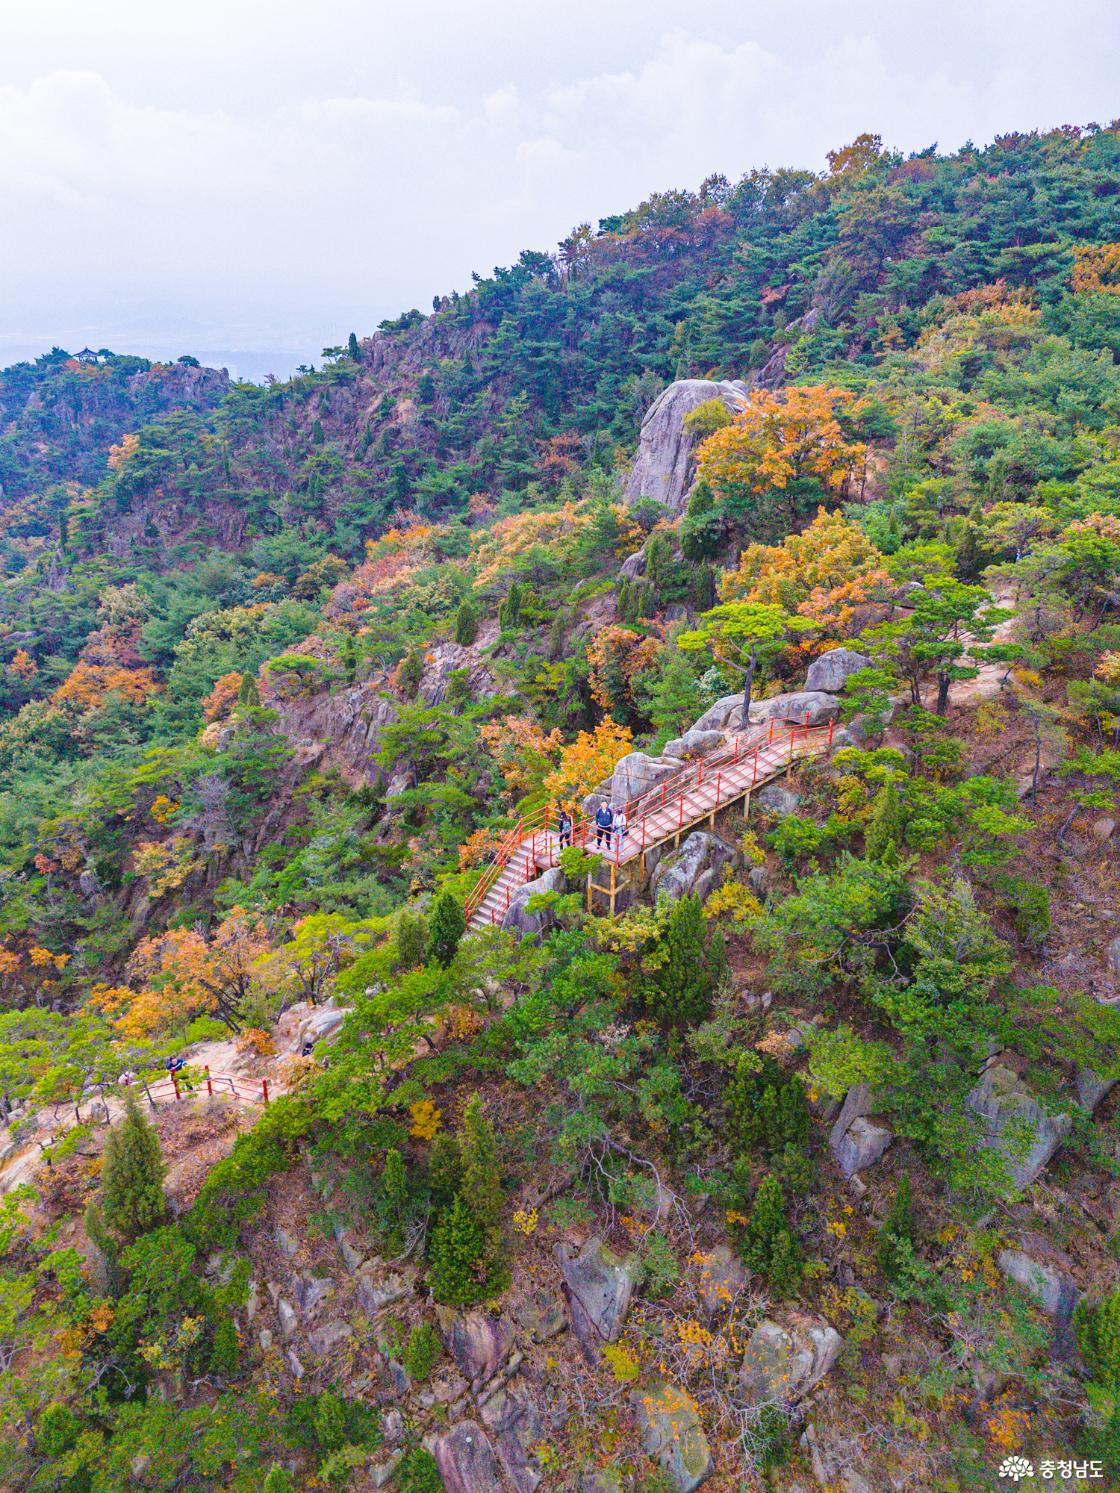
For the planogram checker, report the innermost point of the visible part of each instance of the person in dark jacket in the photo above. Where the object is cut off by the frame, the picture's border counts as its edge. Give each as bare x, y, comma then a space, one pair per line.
604, 820
564, 828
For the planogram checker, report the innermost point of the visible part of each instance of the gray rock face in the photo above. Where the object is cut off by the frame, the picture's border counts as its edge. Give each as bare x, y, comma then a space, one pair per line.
722, 1276
830, 671
1015, 1124
518, 919
633, 566
783, 1363
694, 868
664, 462
636, 774
378, 1288
514, 1421
540, 1314
725, 714
671, 1434
599, 1286
802, 707
758, 879
1092, 1088
466, 1460
1114, 957
694, 743
777, 800
1054, 1291
861, 1145
477, 1341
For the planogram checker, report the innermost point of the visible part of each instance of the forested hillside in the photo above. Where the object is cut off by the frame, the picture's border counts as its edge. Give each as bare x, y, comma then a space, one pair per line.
799, 1171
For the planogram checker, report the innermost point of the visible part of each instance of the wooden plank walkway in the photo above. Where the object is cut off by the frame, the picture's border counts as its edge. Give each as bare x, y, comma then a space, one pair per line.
701, 790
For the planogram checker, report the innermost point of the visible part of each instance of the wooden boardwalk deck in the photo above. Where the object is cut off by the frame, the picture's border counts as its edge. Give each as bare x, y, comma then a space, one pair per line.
700, 791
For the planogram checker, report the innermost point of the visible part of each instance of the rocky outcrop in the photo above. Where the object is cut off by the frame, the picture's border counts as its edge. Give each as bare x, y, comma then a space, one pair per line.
725, 714
775, 799
856, 1141
722, 1277
444, 659
801, 708
518, 919
514, 1421
1052, 1288
466, 1460
1092, 1088
664, 462
830, 671
1015, 1125
477, 1341
671, 1434
783, 1363
694, 743
599, 1287
693, 870
636, 774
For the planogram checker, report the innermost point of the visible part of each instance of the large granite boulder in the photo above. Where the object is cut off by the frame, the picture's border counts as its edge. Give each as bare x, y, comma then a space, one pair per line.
466, 1460
694, 743
693, 869
1114, 958
777, 800
801, 708
518, 919
599, 1287
665, 458
1015, 1125
830, 671
1092, 1088
478, 1341
671, 1434
783, 1363
725, 715
636, 774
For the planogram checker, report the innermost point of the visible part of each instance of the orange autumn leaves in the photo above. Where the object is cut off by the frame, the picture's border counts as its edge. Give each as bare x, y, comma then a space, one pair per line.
184, 973
782, 437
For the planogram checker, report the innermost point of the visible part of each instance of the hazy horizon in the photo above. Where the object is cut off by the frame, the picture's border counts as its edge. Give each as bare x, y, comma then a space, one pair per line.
251, 182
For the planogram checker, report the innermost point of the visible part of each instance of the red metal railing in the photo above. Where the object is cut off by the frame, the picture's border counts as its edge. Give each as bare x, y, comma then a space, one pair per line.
175, 1085
769, 748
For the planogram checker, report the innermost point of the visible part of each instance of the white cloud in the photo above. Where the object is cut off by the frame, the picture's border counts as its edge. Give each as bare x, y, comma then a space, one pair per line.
288, 172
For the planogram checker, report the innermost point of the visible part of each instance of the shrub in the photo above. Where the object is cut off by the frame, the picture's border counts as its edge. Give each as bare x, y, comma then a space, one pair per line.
767, 1109
132, 1176
895, 1245
1098, 1337
466, 624
418, 1472
411, 939
224, 1351
421, 1352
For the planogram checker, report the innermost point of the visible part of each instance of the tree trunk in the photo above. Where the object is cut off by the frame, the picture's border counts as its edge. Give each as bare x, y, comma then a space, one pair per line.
748, 685
943, 694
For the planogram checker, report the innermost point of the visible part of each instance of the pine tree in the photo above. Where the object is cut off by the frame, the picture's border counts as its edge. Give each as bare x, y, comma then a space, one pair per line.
446, 926
349, 658
393, 1201
352, 348
466, 623
459, 1275
884, 831
680, 990
768, 1245
895, 1245
481, 1187
509, 612
445, 1169
1098, 1337
411, 939
248, 694
132, 1176
318, 435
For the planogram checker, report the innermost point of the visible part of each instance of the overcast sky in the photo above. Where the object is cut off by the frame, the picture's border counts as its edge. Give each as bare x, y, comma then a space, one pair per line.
252, 179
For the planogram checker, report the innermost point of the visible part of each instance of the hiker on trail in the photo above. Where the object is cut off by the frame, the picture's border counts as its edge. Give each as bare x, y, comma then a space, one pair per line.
604, 822
176, 1065
564, 828
619, 825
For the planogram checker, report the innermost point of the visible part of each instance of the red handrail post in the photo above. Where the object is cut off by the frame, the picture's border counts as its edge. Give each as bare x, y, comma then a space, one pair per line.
791, 747
700, 774
680, 821
664, 790
643, 836
718, 776
264, 1090
830, 726
806, 720
754, 773
770, 737
209, 1085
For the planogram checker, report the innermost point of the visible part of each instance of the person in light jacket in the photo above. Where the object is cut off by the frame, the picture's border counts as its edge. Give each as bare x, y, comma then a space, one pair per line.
618, 824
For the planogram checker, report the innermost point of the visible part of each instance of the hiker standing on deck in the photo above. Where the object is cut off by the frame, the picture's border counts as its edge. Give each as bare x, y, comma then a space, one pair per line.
618, 824
564, 828
604, 821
